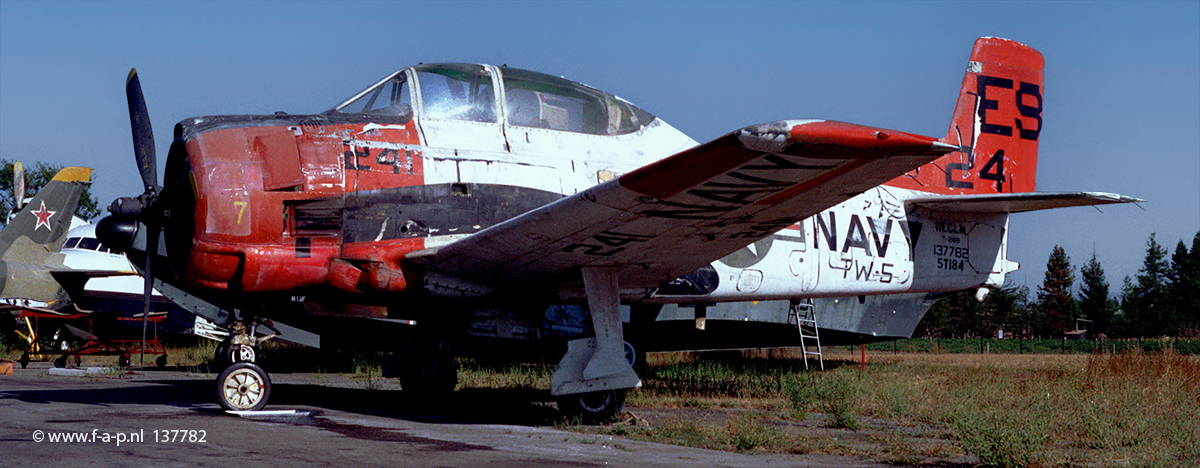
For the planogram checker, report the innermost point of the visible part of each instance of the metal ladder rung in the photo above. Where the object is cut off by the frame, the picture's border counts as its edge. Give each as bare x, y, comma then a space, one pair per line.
805, 314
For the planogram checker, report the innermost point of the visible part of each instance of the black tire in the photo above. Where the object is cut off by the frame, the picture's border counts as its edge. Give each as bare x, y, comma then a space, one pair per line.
593, 408
435, 376
220, 360
243, 387
425, 368
161, 361
636, 357
124, 360
61, 362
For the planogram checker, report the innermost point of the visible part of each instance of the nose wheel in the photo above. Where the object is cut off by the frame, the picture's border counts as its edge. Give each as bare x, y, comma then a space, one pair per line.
243, 386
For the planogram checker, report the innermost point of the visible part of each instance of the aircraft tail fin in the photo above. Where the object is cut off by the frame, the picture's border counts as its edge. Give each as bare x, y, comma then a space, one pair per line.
996, 125
46, 219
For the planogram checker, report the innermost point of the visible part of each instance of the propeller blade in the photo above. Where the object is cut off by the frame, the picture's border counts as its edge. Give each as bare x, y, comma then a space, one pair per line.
143, 136
147, 291
18, 186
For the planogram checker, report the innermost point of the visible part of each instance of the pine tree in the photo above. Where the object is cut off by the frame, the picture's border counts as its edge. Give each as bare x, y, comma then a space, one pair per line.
1126, 322
1193, 281
1148, 307
1008, 307
1094, 301
1184, 289
1055, 300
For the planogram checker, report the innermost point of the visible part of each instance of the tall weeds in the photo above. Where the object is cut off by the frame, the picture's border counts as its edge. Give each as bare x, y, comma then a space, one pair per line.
1106, 409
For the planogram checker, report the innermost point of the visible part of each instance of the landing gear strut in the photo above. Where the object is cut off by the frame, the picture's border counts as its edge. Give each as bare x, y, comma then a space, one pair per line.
242, 385
238, 347
592, 378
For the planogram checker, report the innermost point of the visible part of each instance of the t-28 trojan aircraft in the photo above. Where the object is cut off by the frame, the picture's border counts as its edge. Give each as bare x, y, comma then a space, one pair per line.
447, 192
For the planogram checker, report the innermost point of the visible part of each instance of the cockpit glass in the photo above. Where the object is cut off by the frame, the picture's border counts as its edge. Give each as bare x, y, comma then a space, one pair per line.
390, 97
543, 101
456, 92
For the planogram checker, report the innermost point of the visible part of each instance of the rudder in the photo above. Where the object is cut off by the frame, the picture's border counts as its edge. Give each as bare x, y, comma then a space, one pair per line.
996, 124
47, 217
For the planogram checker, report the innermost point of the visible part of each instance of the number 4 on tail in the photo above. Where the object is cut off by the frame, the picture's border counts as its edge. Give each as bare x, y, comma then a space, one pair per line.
994, 170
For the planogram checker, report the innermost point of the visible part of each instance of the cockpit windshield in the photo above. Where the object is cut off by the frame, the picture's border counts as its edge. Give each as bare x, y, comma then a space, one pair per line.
388, 97
465, 92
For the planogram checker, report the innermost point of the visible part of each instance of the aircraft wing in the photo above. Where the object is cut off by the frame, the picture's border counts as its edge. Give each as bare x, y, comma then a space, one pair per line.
60, 309
675, 215
73, 281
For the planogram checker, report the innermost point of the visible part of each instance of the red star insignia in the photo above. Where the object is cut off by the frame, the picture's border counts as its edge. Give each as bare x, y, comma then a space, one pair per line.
43, 217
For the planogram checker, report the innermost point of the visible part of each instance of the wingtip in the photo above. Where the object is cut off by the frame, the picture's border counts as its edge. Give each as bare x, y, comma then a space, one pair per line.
943, 148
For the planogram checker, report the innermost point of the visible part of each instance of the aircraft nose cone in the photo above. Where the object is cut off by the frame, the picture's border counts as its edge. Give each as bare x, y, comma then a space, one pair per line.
117, 233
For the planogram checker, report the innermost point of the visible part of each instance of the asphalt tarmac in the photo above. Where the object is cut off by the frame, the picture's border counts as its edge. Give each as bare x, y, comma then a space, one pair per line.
170, 418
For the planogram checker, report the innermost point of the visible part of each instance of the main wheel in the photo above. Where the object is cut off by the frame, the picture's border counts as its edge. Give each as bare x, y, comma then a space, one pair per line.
243, 387
424, 367
636, 357
601, 407
430, 376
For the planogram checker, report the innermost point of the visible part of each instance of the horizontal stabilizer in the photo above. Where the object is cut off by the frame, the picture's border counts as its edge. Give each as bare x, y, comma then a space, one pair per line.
1018, 202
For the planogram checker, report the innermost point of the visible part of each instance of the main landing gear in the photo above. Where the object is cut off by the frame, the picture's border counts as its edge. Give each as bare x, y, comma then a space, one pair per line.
592, 378
425, 367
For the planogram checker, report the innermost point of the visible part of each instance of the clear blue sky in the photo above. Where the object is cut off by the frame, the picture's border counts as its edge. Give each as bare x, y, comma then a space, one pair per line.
1122, 99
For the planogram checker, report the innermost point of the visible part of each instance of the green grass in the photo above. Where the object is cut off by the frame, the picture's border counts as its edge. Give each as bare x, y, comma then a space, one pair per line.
1133, 409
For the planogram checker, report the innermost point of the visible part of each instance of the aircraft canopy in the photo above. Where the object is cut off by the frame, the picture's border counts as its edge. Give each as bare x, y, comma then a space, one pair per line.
468, 92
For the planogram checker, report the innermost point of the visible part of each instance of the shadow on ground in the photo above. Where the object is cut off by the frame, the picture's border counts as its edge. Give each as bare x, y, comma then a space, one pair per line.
513, 406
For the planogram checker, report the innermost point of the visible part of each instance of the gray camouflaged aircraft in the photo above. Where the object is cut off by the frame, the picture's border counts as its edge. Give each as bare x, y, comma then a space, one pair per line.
31, 242
449, 199
30, 250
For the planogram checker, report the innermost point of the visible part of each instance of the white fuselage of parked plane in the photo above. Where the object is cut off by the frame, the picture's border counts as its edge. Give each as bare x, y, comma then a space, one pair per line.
873, 243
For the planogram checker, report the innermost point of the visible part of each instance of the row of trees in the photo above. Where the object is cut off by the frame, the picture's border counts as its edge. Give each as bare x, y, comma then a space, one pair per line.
1163, 299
